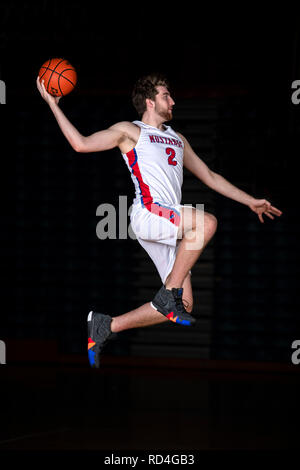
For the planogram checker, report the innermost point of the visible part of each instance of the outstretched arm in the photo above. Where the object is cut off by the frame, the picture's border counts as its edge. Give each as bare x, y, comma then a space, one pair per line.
99, 141
259, 206
219, 184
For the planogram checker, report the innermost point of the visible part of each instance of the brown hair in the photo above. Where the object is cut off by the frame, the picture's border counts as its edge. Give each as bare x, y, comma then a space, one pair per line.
145, 88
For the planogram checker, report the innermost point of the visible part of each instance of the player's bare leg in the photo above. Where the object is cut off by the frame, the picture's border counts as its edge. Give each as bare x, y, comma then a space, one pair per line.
196, 230
146, 315
167, 304
101, 326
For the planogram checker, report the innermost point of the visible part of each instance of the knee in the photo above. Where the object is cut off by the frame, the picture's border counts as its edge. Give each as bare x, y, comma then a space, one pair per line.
209, 220
210, 223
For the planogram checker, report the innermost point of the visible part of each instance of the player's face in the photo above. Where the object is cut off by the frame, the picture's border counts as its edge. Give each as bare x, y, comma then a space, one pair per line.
164, 103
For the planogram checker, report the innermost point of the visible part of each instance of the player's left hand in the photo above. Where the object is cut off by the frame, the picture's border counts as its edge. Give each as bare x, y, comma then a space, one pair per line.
262, 206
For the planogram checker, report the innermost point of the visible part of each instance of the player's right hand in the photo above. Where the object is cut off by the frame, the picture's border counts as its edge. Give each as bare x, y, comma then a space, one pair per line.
45, 95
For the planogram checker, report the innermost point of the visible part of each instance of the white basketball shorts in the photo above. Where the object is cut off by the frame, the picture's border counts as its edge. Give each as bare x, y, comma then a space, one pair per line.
156, 229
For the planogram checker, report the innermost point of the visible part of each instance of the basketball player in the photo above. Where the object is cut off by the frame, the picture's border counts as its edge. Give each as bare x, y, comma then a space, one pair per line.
173, 235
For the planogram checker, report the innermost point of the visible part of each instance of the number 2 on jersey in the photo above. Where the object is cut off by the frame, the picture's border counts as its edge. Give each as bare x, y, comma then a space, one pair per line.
171, 153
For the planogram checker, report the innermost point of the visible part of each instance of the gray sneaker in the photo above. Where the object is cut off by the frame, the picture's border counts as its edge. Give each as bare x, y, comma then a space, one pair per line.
169, 303
99, 331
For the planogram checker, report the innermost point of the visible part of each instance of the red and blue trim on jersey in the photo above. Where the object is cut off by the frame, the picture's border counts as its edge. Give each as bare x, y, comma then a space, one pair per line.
164, 211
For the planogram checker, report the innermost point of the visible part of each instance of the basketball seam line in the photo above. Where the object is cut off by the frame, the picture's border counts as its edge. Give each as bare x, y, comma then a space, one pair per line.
58, 83
53, 72
45, 68
58, 73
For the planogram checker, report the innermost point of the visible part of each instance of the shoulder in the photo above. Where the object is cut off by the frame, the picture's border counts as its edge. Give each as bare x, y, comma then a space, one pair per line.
129, 134
186, 143
127, 129
181, 136
183, 139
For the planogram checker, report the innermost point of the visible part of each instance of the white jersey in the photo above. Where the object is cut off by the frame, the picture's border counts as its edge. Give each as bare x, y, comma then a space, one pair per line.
156, 166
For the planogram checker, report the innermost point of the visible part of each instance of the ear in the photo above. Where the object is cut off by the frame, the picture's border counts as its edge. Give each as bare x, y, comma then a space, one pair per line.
149, 103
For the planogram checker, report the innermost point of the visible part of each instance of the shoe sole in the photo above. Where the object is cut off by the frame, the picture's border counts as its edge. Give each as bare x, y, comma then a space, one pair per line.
175, 319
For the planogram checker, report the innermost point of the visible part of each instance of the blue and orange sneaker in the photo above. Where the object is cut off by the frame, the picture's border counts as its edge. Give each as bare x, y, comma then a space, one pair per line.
99, 331
169, 303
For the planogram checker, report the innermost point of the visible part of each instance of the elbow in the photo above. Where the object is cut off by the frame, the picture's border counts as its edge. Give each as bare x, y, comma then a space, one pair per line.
78, 148
211, 179
208, 178
79, 144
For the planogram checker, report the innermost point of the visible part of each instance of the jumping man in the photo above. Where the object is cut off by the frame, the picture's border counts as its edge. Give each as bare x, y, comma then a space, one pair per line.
170, 233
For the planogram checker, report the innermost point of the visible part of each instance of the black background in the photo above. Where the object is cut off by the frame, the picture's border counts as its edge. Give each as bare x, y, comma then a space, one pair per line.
62, 269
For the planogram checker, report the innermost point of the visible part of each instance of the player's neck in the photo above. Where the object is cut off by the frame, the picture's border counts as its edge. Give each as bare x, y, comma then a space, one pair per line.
153, 121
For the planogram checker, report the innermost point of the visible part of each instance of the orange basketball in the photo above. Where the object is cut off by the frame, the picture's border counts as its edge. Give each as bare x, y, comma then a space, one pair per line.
59, 75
